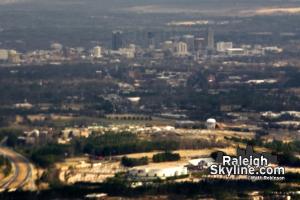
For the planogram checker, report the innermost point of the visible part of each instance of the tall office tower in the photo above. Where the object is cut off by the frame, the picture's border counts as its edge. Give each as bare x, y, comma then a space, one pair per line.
3, 55
181, 49
117, 40
190, 41
210, 40
97, 52
151, 40
199, 44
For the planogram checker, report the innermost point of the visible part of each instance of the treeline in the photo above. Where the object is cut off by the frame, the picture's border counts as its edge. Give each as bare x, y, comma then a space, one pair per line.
109, 144
166, 156
48, 155
132, 162
204, 189
124, 143
11, 136
160, 157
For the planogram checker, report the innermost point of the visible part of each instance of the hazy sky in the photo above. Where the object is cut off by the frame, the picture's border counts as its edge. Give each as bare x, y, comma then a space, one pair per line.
210, 7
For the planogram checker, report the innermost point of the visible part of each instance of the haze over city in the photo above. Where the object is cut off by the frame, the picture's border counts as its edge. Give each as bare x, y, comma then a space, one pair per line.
149, 99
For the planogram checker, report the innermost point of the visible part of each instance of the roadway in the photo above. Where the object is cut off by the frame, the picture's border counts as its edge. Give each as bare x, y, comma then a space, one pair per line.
21, 174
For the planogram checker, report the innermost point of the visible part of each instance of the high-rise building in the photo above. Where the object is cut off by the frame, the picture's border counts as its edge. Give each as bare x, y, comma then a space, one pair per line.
3, 54
199, 44
210, 40
181, 49
97, 52
190, 41
151, 40
117, 40
13, 57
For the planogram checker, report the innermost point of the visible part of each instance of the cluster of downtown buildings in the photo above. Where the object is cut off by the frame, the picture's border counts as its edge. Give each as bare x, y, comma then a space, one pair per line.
183, 46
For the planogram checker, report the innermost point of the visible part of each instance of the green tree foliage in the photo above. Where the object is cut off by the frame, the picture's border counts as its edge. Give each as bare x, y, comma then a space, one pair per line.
47, 155
165, 157
132, 162
117, 187
11, 134
214, 154
288, 159
123, 143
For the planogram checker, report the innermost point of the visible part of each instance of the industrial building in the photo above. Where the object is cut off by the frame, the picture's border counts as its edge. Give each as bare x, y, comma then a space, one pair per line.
162, 172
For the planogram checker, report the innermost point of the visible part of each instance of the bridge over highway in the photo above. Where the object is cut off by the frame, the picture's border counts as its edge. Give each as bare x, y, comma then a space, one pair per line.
21, 176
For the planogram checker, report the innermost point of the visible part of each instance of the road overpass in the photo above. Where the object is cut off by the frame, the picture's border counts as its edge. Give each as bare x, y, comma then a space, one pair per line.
21, 176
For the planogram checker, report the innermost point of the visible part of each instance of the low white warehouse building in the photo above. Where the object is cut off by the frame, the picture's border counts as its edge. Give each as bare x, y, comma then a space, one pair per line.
158, 172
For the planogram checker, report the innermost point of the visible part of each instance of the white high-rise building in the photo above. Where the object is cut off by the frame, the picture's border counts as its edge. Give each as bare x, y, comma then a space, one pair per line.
181, 49
223, 46
13, 56
3, 54
97, 52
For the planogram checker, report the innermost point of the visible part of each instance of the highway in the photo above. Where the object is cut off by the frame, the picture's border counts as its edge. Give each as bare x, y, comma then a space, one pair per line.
21, 174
